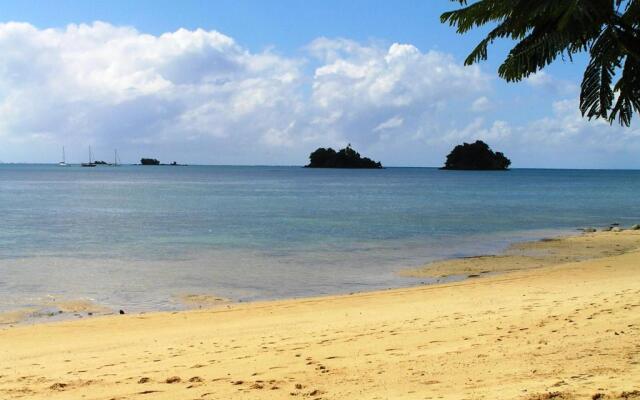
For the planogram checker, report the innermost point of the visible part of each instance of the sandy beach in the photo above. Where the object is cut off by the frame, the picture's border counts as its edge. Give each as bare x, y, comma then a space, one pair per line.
563, 329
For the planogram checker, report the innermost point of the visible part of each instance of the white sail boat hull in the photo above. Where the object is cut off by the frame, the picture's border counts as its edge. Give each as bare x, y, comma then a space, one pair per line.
63, 163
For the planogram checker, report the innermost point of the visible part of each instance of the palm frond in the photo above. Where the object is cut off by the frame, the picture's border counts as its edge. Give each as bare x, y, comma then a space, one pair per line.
628, 90
546, 29
596, 94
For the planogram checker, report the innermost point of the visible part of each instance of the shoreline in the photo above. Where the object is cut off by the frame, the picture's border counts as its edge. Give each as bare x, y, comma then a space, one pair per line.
590, 244
562, 331
454, 269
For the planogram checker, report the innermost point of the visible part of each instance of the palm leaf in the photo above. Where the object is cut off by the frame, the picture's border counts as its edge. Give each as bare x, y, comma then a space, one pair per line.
628, 89
546, 29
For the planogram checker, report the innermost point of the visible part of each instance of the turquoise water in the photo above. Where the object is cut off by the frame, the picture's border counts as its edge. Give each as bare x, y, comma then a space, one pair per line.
134, 237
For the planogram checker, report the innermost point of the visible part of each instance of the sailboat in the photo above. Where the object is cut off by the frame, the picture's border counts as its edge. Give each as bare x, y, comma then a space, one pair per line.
90, 163
115, 158
63, 163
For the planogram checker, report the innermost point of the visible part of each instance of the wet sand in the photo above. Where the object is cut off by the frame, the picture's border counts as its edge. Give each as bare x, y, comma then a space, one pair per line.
561, 331
52, 309
534, 254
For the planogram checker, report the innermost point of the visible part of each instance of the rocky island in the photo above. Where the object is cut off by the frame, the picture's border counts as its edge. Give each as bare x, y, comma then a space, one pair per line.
149, 161
345, 158
476, 156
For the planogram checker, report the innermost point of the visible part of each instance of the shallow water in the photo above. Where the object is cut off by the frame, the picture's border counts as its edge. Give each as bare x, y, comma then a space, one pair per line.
136, 237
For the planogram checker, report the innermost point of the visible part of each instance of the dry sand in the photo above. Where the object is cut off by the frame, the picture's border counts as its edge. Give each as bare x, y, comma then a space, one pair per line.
557, 332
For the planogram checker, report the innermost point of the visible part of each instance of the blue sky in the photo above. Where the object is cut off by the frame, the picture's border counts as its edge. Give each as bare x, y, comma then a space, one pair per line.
299, 74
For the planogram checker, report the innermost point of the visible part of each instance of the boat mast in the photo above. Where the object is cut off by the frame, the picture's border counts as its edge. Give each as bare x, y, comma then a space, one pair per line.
64, 161
115, 157
89, 154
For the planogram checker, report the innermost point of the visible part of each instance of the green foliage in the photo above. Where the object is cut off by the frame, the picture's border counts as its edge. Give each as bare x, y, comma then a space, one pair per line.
345, 158
545, 29
476, 156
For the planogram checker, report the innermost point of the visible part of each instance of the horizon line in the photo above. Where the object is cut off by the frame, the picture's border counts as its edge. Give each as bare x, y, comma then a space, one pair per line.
302, 166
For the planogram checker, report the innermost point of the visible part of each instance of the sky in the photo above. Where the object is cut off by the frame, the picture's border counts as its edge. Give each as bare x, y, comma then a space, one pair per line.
267, 82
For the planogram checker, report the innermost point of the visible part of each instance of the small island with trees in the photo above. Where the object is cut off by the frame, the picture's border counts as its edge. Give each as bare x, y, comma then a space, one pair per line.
345, 158
153, 161
476, 156
149, 161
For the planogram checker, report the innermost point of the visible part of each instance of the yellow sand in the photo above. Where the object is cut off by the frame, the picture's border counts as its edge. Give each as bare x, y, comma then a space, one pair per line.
556, 332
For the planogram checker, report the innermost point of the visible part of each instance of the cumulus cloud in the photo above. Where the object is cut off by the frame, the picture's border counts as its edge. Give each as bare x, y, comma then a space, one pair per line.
360, 89
106, 85
199, 96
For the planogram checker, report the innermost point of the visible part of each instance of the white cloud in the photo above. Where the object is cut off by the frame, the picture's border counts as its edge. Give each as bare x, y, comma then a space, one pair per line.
391, 123
398, 76
359, 90
542, 80
198, 96
110, 85
481, 104
476, 130
567, 130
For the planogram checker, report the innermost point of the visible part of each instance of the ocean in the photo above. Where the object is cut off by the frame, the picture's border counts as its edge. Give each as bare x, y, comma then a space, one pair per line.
138, 237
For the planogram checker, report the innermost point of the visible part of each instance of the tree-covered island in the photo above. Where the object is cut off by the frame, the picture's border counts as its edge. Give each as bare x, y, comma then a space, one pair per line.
345, 158
149, 161
476, 156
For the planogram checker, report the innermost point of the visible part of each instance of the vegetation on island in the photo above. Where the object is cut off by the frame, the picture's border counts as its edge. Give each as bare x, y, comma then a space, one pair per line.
543, 30
476, 156
345, 158
149, 161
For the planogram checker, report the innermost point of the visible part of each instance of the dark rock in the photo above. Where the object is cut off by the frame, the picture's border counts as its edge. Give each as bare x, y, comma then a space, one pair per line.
121, 312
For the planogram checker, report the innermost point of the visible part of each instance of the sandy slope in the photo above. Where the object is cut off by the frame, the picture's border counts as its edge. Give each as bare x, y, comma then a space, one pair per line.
564, 331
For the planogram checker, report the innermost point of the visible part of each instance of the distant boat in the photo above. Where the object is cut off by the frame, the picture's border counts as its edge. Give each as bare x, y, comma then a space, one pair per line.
90, 163
116, 160
63, 163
